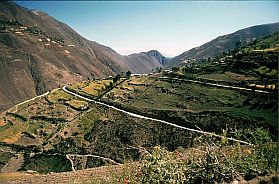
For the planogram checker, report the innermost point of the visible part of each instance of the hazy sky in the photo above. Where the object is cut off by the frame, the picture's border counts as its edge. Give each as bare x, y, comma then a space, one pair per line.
168, 26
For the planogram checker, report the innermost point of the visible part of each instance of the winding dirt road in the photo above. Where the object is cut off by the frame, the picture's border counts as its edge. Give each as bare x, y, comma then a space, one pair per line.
16, 106
148, 118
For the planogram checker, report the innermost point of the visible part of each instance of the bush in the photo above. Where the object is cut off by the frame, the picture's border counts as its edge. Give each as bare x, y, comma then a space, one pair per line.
213, 160
17, 116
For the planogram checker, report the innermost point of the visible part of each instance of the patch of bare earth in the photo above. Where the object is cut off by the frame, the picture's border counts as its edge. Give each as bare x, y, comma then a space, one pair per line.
13, 139
13, 165
101, 175
105, 174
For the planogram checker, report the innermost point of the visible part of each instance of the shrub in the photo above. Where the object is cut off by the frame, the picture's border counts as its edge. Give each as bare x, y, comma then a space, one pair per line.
17, 116
213, 160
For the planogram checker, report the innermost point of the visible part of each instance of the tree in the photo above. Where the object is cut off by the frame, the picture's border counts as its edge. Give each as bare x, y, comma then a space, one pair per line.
158, 69
110, 85
175, 69
237, 45
2, 26
116, 78
185, 70
128, 74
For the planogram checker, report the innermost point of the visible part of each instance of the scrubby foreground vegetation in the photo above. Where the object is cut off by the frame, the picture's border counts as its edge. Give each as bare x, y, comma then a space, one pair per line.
210, 160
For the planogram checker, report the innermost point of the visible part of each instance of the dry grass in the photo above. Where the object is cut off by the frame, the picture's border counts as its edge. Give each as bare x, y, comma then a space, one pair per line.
79, 85
57, 95
275, 49
12, 138
2, 122
95, 86
78, 104
228, 76
13, 133
13, 176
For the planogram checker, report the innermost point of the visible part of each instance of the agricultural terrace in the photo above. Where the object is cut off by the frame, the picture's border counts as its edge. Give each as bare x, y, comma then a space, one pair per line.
96, 88
147, 94
33, 122
56, 125
227, 76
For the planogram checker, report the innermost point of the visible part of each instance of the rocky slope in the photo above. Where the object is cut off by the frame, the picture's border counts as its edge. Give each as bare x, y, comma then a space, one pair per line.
39, 53
224, 43
144, 62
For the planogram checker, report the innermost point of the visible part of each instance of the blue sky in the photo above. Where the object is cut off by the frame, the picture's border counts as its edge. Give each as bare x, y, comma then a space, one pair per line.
171, 27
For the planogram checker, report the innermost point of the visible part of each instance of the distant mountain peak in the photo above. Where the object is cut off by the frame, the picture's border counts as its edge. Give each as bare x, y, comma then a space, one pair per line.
162, 59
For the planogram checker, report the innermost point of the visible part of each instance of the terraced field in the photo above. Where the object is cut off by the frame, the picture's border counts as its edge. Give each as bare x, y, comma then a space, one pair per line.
60, 132
47, 129
181, 99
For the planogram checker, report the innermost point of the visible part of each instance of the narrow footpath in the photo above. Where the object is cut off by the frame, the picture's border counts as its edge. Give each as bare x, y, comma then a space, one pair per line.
215, 85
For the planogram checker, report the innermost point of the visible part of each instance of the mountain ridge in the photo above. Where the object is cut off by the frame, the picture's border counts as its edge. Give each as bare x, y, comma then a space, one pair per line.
224, 43
40, 53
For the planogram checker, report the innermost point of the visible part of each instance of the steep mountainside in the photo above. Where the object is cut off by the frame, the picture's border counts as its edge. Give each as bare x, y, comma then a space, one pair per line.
146, 60
225, 43
39, 53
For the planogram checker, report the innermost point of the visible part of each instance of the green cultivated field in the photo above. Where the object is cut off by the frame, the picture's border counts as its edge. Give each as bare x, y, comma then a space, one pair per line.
147, 94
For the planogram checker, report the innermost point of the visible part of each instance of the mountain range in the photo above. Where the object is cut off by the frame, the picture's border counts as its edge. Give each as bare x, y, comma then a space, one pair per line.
225, 43
40, 53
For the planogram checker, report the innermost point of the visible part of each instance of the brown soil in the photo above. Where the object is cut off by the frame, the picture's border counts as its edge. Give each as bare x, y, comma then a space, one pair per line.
13, 139
106, 174
13, 165
95, 175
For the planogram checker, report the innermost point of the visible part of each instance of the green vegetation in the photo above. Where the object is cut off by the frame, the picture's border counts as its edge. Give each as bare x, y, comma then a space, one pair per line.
97, 88
209, 161
227, 76
47, 163
4, 158
255, 64
48, 129
58, 95
57, 125
267, 72
78, 104
128, 74
149, 94
7, 125
17, 116
14, 126
213, 161
269, 43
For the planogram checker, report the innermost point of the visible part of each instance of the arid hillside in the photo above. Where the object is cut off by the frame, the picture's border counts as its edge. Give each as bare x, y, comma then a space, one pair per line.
38, 53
